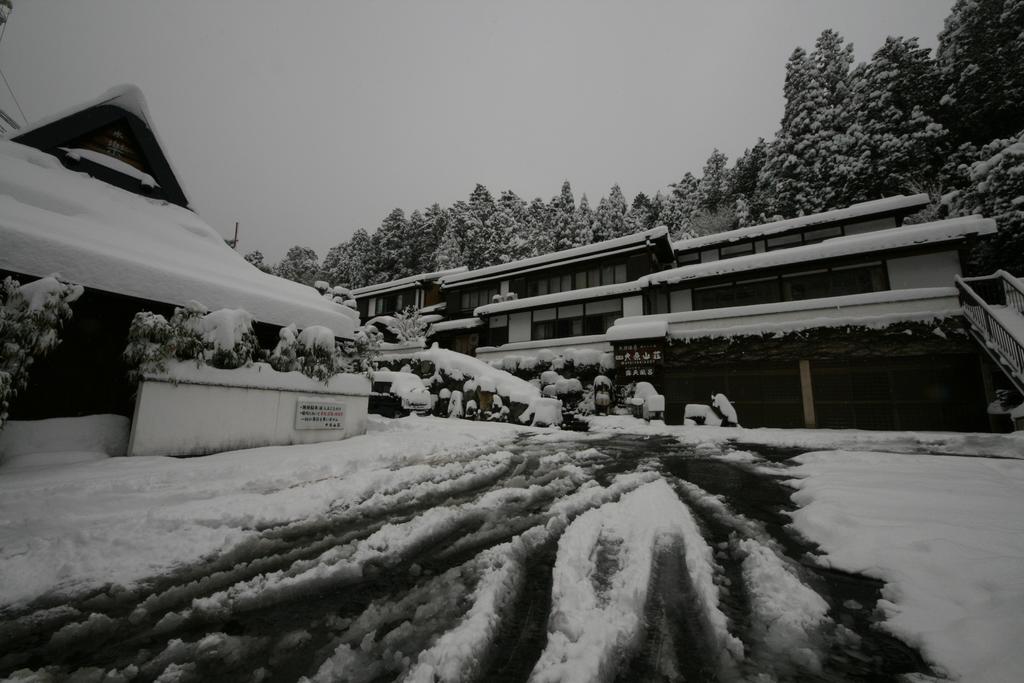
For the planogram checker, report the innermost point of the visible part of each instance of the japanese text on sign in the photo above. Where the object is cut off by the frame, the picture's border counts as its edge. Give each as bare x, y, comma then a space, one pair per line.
319, 415
638, 360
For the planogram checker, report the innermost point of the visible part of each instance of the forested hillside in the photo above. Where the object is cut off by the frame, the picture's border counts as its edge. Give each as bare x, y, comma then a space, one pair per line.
906, 121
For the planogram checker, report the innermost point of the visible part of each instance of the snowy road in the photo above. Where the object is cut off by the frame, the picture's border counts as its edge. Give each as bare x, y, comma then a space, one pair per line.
553, 558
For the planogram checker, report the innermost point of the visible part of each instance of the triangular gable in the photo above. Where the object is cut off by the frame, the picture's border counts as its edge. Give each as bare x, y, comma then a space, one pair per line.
116, 128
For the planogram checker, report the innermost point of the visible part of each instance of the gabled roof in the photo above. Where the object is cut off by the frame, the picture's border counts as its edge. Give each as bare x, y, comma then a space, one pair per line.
408, 281
122, 109
55, 221
896, 205
657, 235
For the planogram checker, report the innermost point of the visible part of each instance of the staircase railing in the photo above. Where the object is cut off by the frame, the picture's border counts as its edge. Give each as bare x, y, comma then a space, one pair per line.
977, 296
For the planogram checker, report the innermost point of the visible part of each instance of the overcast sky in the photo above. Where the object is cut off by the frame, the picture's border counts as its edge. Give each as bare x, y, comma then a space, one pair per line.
307, 120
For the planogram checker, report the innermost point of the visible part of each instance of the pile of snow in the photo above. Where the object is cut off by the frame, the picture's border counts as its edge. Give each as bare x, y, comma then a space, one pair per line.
260, 376
947, 537
63, 440
556, 359
543, 412
459, 365
405, 385
226, 328
106, 238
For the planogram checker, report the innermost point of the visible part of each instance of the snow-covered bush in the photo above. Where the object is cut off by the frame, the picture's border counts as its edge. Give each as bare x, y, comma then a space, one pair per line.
543, 412
455, 404
363, 352
725, 410
228, 335
285, 356
31, 317
471, 410
408, 325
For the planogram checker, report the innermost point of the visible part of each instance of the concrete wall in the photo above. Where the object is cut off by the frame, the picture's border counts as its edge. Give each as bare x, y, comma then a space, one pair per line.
197, 419
924, 270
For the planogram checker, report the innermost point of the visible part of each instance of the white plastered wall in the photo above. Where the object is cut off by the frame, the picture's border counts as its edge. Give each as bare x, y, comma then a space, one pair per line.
221, 418
519, 327
924, 270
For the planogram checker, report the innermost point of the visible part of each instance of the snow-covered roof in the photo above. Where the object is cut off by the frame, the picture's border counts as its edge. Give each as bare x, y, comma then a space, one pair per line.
404, 282
111, 163
126, 97
457, 324
560, 297
893, 238
888, 205
574, 254
106, 238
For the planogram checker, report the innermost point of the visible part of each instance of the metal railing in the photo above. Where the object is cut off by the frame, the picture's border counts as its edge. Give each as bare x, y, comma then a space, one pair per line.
977, 297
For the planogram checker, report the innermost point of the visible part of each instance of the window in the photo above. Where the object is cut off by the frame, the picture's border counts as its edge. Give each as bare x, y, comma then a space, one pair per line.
822, 234
473, 298
838, 282
599, 315
570, 321
734, 250
497, 330
688, 258
783, 241
620, 273
544, 323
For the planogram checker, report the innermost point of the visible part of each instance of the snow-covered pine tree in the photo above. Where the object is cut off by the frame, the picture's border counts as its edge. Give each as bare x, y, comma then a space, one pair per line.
713, 186
408, 325
981, 59
810, 149
362, 259
641, 215
610, 217
300, 264
391, 238
680, 206
895, 146
996, 191
519, 242
563, 219
256, 258
584, 224
538, 228
449, 251
748, 204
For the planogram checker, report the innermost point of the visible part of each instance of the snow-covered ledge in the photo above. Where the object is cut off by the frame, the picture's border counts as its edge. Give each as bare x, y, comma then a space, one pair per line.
562, 346
877, 309
196, 410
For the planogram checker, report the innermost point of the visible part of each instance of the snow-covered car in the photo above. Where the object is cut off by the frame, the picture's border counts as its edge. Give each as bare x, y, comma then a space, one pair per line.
396, 394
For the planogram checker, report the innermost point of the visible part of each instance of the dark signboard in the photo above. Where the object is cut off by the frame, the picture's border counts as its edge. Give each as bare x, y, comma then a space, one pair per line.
642, 362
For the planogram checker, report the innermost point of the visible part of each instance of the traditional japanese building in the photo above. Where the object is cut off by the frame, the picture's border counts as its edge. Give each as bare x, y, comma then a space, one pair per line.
90, 195
847, 318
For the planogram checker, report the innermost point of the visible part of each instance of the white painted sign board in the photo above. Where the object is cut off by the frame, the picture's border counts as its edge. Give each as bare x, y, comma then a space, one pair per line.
319, 414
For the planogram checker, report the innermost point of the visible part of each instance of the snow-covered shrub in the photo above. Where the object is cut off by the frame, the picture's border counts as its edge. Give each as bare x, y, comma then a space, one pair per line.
285, 356
149, 345
543, 412
408, 325
227, 334
471, 410
455, 404
31, 317
725, 410
550, 391
363, 352
319, 356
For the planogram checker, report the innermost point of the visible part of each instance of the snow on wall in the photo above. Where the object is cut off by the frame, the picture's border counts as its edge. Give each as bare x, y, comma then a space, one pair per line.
876, 309
575, 348
103, 237
907, 236
224, 411
38, 441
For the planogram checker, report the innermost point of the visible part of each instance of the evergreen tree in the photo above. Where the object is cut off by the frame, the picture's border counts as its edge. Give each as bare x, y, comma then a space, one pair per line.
300, 264
362, 259
256, 259
642, 214
449, 250
583, 227
538, 227
713, 187
811, 146
981, 60
748, 202
336, 266
996, 190
563, 218
680, 206
519, 240
895, 146
391, 240
610, 218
